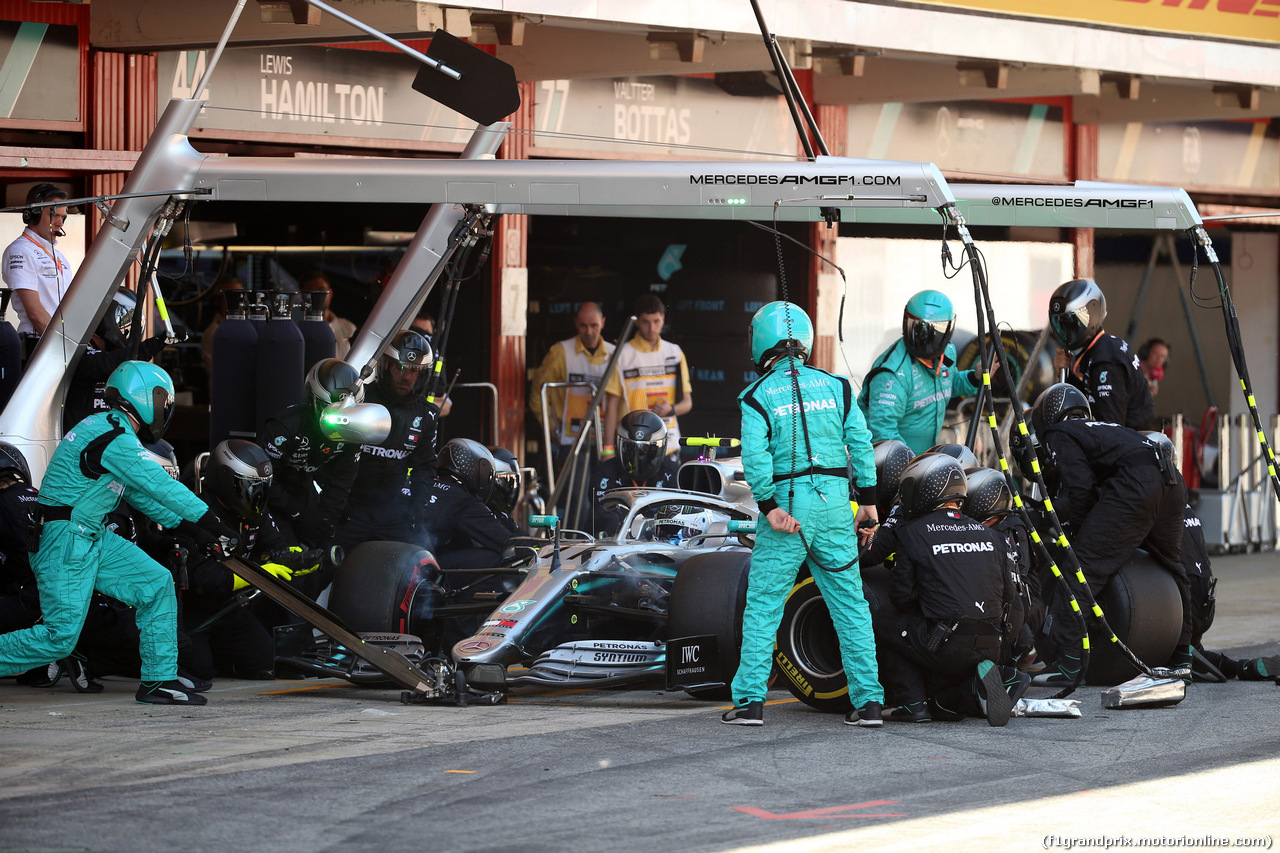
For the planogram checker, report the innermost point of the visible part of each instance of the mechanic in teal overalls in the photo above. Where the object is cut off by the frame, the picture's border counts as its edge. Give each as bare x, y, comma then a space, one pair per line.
905, 394
800, 428
97, 464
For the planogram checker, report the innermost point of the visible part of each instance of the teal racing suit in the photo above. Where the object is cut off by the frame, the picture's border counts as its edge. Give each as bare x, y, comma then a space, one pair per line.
903, 399
819, 499
98, 463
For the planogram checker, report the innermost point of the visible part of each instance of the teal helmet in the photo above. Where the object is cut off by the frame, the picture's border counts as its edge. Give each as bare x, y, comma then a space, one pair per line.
927, 324
780, 328
144, 391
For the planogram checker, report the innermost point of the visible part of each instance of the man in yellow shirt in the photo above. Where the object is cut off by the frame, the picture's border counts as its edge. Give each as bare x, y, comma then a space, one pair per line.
578, 359
651, 374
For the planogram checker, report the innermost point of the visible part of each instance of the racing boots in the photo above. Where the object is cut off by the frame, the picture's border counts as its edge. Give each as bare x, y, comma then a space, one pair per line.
1063, 672
167, 693
995, 701
869, 716
910, 712
749, 714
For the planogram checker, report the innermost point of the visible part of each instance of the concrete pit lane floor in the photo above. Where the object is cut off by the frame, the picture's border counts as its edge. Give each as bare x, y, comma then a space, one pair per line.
323, 766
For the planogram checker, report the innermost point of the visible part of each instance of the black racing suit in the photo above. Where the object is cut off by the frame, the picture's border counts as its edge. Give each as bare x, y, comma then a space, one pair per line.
460, 530
303, 458
395, 476
1110, 375
608, 474
238, 644
1200, 579
19, 599
1113, 495
949, 585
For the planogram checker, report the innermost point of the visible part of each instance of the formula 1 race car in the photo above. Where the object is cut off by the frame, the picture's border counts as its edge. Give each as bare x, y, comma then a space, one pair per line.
571, 610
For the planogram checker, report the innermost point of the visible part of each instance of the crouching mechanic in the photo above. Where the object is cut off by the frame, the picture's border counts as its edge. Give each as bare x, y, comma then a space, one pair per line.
800, 429
641, 460
1115, 492
952, 589
98, 463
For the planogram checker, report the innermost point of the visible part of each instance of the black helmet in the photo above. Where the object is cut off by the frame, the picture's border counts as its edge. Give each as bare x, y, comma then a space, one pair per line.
162, 453
959, 452
329, 381
641, 441
116, 323
12, 461
471, 464
892, 458
1076, 312
987, 494
239, 476
1057, 403
506, 480
929, 481
409, 351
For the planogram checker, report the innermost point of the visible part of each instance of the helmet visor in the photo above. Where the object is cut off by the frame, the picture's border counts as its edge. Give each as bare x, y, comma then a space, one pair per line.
506, 488
252, 493
928, 339
641, 459
1071, 327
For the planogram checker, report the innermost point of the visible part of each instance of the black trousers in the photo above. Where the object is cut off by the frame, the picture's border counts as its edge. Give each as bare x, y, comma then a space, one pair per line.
912, 673
1136, 509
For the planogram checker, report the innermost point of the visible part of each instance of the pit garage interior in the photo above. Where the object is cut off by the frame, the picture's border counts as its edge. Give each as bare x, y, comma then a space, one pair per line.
1177, 96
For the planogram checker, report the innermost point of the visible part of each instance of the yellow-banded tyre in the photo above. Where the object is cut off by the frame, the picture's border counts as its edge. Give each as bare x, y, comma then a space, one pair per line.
807, 654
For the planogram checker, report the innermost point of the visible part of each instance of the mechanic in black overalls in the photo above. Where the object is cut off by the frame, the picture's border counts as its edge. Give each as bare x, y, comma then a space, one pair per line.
238, 644
989, 501
108, 349
395, 476
950, 584
1102, 366
1115, 492
303, 456
458, 527
1208, 665
641, 460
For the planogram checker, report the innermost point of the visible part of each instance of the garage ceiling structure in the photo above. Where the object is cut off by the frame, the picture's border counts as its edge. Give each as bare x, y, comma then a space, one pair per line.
860, 52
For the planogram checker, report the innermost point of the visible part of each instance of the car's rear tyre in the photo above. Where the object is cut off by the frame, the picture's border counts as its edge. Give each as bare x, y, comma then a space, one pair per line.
1143, 607
708, 597
371, 588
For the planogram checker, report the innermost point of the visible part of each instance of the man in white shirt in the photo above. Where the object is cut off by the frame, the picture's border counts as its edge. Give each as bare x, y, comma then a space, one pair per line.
37, 272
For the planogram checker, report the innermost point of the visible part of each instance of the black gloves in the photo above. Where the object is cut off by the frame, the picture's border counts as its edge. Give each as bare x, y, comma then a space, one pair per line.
150, 348
214, 538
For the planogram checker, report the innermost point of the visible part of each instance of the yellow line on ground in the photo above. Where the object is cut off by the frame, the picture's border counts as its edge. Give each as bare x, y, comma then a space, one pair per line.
303, 689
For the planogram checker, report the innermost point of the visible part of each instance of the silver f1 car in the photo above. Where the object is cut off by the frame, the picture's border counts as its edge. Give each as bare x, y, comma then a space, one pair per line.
571, 610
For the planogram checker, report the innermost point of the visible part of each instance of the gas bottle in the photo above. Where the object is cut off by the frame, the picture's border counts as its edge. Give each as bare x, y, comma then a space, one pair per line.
259, 311
280, 354
233, 389
10, 351
316, 333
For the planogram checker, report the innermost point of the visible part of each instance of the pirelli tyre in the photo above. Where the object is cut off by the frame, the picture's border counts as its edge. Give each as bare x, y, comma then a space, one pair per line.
376, 588
807, 654
708, 597
1143, 607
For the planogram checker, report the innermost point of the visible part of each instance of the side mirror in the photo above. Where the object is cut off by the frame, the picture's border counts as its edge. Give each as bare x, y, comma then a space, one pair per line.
738, 526
549, 522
